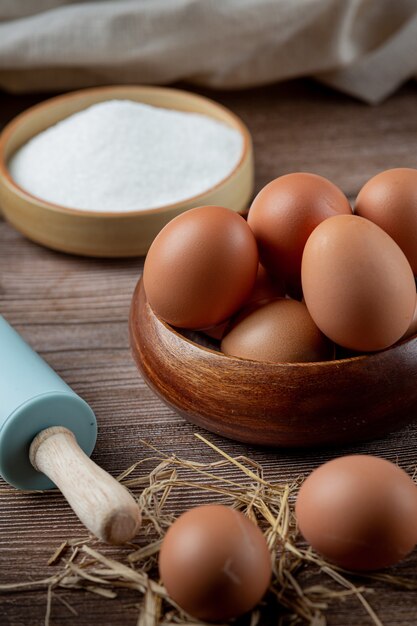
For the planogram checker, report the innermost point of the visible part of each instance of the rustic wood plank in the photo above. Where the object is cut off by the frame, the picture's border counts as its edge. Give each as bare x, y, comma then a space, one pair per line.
74, 312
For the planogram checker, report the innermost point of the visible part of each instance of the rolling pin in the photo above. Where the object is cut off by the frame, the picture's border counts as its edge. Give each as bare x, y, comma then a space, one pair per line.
47, 434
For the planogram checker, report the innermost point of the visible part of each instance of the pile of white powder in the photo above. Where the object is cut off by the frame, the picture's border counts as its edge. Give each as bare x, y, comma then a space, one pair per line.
121, 155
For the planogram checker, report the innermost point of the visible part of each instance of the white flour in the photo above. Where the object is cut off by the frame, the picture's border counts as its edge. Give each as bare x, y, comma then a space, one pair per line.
125, 156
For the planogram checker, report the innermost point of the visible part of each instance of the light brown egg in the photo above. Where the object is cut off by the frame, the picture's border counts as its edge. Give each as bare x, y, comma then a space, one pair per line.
215, 563
359, 512
283, 215
280, 331
390, 200
201, 267
357, 283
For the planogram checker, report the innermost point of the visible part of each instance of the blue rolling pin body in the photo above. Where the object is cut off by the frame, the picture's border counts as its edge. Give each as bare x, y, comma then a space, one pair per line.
33, 397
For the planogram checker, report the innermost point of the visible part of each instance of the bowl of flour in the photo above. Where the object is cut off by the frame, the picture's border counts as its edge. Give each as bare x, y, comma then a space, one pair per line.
99, 172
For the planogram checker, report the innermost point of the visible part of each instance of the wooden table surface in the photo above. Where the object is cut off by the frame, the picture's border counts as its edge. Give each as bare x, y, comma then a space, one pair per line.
74, 312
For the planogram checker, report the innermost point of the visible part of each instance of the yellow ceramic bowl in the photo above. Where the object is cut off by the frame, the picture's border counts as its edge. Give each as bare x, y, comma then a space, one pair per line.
111, 234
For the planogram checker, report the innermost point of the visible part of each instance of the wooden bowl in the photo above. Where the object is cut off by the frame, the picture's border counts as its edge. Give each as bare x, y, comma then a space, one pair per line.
111, 234
289, 404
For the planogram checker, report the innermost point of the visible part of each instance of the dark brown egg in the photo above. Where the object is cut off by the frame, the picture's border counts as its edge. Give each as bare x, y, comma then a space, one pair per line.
359, 512
284, 214
215, 563
201, 267
390, 200
280, 331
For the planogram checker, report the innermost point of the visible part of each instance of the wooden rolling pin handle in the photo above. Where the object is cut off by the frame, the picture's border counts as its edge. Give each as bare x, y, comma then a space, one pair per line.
103, 505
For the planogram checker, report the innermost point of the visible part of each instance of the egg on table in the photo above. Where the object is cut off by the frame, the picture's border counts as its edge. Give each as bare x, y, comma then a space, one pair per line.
215, 563
359, 511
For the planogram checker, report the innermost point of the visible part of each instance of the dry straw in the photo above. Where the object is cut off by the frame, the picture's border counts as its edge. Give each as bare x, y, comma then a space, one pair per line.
173, 480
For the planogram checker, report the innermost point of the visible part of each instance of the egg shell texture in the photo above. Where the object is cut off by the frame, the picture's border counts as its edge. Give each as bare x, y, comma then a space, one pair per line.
283, 215
215, 563
357, 283
389, 199
359, 512
281, 331
201, 267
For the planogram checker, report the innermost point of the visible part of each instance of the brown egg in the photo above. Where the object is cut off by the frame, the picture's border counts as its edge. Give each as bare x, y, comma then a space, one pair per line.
201, 267
357, 283
412, 329
215, 563
217, 332
266, 287
280, 331
390, 200
283, 215
359, 512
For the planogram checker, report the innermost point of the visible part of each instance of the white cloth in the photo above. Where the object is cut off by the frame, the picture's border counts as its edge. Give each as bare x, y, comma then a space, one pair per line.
364, 47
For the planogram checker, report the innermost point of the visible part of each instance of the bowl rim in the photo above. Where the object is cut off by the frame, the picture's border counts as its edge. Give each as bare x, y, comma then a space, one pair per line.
352, 359
22, 118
